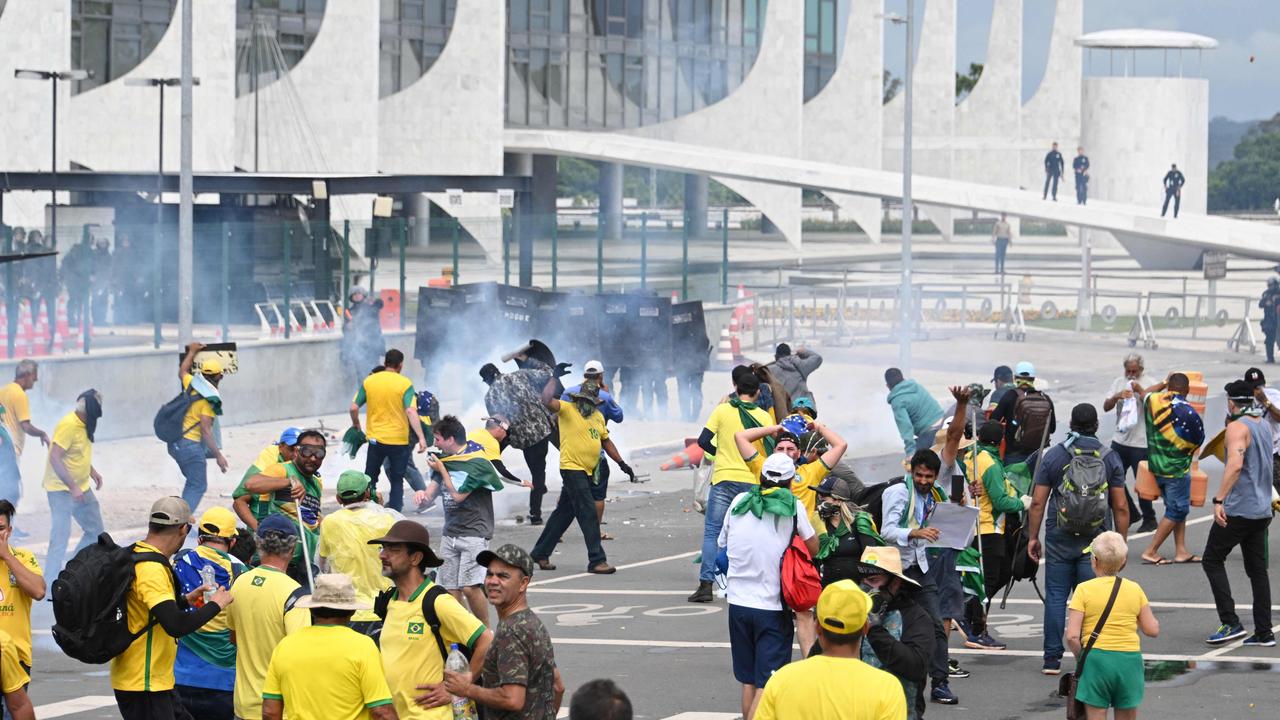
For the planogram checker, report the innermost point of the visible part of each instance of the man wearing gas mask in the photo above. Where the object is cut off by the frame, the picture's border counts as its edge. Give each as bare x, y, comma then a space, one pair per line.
900, 636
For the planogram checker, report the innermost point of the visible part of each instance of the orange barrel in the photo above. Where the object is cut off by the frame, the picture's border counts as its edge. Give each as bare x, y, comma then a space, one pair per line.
1199, 392
390, 315
1146, 484
1199, 485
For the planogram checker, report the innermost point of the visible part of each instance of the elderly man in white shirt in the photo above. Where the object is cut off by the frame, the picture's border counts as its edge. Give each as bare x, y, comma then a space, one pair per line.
1130, 439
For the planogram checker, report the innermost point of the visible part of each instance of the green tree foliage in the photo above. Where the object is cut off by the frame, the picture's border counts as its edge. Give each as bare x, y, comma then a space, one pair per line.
1251, 180
966, 82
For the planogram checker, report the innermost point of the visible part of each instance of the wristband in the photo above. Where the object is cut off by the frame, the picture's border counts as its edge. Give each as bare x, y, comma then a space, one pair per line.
1216, 501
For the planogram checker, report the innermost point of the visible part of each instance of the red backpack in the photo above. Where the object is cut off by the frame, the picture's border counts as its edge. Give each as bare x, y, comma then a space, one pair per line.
801, 584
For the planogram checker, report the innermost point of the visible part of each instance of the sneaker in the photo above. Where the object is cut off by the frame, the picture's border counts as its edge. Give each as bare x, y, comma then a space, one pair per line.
535, 520
1148, 526
954, 670
1261, 640
603, 568
983, 642
943, 696
1051, 667
703, 594
1226, 633
545, 565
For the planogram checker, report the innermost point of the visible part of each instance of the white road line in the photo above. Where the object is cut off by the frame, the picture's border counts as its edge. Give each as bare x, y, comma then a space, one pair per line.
1217, 652
76, 705
716, 645
628, 566
1135, 536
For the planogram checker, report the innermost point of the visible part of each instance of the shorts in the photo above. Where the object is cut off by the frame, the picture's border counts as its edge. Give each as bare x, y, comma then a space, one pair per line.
760, 642
600, 481
950, 594
1112, 679
460, 569
1176, 493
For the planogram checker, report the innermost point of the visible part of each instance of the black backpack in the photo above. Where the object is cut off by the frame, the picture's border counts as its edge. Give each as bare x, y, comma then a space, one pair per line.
90, 613
382, 603
167, 424
873, 499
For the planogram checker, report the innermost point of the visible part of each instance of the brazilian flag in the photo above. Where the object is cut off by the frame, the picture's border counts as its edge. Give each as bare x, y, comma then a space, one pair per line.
469, 470
969, 565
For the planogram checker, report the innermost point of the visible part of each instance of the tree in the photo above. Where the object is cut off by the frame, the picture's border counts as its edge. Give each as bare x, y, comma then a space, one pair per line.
1249, 180
965, 83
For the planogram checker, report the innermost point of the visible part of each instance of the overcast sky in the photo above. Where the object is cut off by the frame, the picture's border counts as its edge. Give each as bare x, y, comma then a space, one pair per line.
1238, 89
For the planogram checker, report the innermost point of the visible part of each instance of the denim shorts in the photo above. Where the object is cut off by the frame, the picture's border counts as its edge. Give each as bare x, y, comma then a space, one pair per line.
1176, 493
760, 642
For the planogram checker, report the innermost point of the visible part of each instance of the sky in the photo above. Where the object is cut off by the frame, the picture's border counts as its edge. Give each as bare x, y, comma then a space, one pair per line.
1238, 89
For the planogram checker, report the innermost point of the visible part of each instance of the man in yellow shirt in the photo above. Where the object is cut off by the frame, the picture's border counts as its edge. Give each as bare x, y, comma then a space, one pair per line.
14, 679
731, 476
264, 612
142, 676
412, 656
15, 411
836, 683
344, 544
200, 436
252, 507
327, 671
67, 477
392, 419
582, 435
22, 584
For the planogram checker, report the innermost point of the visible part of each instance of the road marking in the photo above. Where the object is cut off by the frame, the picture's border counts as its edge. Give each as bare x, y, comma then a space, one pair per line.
1038, 654
1135, 536
73, 706
1229, 647
628, 566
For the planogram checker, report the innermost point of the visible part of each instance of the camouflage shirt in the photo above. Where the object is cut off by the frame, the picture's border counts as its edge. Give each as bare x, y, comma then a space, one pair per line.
521, 654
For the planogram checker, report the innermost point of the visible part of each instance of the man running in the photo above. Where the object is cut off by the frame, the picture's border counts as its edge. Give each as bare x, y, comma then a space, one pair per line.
392, 419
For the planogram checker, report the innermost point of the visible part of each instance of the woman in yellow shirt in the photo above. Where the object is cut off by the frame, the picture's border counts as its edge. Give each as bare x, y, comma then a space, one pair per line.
1112, 675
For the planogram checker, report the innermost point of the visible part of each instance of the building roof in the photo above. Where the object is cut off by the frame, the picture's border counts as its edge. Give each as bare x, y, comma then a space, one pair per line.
1144, 38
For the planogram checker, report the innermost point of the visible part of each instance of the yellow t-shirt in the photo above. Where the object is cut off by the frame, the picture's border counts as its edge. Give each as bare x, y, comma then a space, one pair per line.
1121, 631
805, 484
15, 606
387, 394
492, 449
17, 410
825, 687
71, 435
580, 438
327, 672
410, 655
723, 423
259, 619
147, 664
198, 409
344, 544
12, 675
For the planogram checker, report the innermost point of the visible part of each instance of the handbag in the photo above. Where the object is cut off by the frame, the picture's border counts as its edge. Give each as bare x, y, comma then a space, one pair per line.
1069, 681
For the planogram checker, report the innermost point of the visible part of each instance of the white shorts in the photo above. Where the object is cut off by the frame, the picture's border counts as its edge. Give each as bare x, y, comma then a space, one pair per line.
460, 569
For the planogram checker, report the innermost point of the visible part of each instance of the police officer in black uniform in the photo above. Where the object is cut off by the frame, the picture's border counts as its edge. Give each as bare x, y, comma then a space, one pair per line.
1081, 167
1173, 182
1053, 167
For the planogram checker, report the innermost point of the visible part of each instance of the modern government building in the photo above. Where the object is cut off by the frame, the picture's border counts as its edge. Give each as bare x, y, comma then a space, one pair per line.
441, 87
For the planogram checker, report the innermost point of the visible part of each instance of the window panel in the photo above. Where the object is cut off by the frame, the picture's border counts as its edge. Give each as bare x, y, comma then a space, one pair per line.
420, 29
290, 25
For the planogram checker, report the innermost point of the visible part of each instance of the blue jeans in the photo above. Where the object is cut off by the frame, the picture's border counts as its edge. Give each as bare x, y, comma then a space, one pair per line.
10, 476
190, 456
412, 475
62, 508
205, 703
397, 457
1065, 566
722, 493
575, 503
1002, 249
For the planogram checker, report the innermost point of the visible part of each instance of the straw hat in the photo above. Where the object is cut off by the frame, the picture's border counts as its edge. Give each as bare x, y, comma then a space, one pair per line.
883, 560
335, 591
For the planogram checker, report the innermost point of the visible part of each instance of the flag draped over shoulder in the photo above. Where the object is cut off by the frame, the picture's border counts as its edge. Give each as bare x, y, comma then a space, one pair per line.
469, 470
1174, 432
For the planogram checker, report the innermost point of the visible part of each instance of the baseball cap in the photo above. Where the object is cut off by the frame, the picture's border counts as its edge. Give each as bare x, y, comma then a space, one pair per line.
211, 366
805, 403
1025, 369
289, 436
352, 484
408, 532
1003, 373
513, 555
1240, 389
171, 510
1254, 376
778, 468
836, 487
277, 524
843, 607
218, 522
593, 367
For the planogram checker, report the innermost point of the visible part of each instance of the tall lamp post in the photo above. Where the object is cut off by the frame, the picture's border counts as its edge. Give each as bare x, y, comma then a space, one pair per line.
157, 235
907, 324
53, 76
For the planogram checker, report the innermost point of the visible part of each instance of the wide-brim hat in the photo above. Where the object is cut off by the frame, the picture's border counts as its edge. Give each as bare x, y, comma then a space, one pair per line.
884, 560
335, 591
408, 532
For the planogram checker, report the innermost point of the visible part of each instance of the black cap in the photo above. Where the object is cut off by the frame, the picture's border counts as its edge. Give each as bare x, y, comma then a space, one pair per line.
1240, 389
1003, 373
782, 350
1254, 377
1083, 416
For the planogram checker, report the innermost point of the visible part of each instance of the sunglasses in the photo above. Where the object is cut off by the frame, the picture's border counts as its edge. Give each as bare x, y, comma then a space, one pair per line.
311, 451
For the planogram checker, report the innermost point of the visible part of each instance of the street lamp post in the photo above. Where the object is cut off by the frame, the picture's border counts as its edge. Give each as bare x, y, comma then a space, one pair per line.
906, 324
53, 76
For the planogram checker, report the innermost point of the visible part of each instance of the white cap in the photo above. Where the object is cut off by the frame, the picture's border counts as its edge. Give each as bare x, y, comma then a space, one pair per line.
593, 367
778, 468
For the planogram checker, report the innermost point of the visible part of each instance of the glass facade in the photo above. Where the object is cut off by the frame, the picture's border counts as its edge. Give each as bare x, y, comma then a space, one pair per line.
110, 37
414, 33
821, 46
285, 30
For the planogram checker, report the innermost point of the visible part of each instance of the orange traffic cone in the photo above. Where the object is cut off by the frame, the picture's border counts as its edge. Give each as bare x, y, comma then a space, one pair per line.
691, 456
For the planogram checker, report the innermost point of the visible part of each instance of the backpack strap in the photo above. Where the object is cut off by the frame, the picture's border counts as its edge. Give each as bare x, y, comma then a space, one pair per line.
1097, 629
155, 557
433, 620
382, 603
292, 601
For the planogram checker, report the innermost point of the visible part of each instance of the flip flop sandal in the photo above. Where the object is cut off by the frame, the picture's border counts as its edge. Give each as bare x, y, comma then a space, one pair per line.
1158, 561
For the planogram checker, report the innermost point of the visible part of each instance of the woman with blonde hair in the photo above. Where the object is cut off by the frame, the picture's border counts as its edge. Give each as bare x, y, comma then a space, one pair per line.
1103, 621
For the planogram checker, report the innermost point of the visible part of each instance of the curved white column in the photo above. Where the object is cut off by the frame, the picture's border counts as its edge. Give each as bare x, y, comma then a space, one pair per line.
989, 119
1053, 113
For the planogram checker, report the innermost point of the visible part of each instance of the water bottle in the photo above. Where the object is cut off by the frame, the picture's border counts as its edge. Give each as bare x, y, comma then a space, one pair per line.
463, 708
209, 577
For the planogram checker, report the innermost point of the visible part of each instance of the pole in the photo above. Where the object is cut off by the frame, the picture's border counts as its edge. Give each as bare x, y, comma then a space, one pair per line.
288, 281
904, 346
11, 292
1084, 313
157, 236
226, 279
404, 238
506, 251
724, 256
86, 307
346, 262
185, 187
644, 251
600, 249
684, 258
456, 223
555, 258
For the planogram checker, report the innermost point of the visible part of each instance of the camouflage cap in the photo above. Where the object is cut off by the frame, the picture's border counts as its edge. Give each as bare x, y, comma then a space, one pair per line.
513, 555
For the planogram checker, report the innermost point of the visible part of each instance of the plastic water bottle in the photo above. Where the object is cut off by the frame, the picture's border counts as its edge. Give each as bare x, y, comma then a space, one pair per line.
463, 708
209, 576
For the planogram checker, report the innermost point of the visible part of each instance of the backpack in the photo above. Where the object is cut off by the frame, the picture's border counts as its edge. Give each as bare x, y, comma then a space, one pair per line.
1032, 413
1082, 494
382, 604
167, 424
873, 499
90, 615
801, 583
